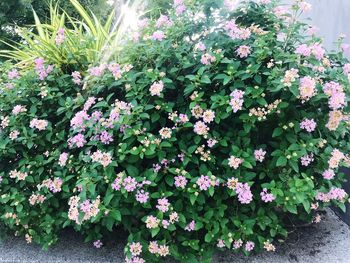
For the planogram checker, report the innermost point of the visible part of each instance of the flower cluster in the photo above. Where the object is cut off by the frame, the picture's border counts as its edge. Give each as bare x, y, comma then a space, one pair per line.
41, 70
41, 125
89, 208
102, 158
21, 176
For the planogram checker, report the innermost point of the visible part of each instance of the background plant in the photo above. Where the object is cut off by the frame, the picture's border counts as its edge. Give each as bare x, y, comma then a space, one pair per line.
19, 13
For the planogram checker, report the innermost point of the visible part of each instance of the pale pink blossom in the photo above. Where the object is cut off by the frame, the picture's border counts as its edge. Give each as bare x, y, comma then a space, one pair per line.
328, 174
156, 88
158, 35
235, 162
63, 159
308, 124
243, 51
200, 128
259, 155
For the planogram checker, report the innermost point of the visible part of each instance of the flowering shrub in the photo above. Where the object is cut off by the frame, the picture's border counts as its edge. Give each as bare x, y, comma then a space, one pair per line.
215, 131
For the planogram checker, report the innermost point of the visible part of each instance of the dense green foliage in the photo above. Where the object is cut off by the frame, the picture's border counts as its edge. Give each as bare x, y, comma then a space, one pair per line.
212, 132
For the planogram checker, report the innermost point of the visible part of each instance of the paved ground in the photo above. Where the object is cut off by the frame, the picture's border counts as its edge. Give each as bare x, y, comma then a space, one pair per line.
326, 242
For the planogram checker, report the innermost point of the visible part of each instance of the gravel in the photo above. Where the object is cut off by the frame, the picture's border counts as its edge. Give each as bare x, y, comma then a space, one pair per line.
325, 242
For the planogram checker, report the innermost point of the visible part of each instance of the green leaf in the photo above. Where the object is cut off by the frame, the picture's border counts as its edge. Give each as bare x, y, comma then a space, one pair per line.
294, 165
155, 231
281, 161
132, 170
292, 209
116, 215
277, 132
205, 79
208, 237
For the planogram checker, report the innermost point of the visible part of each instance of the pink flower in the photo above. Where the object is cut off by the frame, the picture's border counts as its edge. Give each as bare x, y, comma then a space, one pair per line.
89, 102
13, 135
97, 71
54, 185
163, 205
245, 196
180, 181
335, 118
303, 50
336, 158
211, 142
237, 244
180, 9
328, 174
200, 128
165, 133
76, 77
153, 247
106, 137
163, 20
78, 121
259, 155
308, 125
280, 11
208, 116
78, 140
203, 182
183, 118
234, 162
236, 101
318, 51
249, 246
20, 176
116, 185
243, 51
197, 111
152, 222
156, 88
236, 32
200, 46
18, 109
142, 196
63, 159
158, 35
191, 226
207, 59
98, 244
337, 95
129, 184
40, 68
306, 160
38, 124
163, 250
307, 88
13, 74
267, 197
334, 194
60, 37
102, 158
221, 243
135, 248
